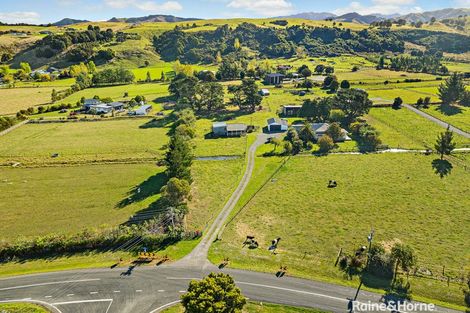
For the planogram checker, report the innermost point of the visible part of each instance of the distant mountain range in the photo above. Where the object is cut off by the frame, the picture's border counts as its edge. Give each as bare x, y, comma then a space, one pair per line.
152, 19
348, 17
311, 16
367, 19
439, 15
69, 21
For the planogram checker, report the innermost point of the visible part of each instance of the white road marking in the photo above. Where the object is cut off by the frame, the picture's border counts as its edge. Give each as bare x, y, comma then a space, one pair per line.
161, 290
87, 301
183, 278
70, 294
117, 291
93, 292
48, 297
293, 290
165, 306
50, 283
182, 291
138, 290
82, 301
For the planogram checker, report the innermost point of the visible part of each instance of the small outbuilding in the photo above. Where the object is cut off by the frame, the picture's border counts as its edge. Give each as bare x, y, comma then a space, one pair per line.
277, 125
291, 110
264, 92
274, 79
142, 110
222, 129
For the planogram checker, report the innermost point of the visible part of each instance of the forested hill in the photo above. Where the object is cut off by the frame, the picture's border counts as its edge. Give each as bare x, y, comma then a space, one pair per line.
203, 46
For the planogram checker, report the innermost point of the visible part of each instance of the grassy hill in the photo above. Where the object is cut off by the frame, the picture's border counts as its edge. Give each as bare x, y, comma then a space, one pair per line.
133, 53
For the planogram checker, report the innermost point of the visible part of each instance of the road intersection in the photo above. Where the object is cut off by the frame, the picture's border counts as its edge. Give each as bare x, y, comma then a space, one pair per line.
152, 289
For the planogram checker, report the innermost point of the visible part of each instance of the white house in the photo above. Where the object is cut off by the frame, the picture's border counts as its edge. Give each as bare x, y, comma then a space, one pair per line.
277, 125
320, 129
100, 108
142, 110
90, 102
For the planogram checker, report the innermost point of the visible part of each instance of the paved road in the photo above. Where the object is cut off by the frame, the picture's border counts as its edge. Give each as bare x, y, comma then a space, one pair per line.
146, 289
151, 289
437, 121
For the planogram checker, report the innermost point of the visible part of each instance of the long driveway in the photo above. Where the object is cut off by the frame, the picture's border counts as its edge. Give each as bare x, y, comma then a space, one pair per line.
151, 289
437, 121
198, 257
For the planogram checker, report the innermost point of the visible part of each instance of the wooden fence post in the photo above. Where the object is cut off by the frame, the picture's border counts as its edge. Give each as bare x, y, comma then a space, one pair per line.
339, 254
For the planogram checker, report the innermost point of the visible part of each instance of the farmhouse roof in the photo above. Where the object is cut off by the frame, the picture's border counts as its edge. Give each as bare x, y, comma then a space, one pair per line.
279, 121
219, 124
236, 127
275, 75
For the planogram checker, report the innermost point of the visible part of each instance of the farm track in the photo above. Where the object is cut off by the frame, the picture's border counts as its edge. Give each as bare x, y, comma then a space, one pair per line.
438, 121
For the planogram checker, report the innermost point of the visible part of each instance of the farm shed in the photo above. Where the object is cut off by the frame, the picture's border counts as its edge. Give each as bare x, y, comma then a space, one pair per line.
277, 125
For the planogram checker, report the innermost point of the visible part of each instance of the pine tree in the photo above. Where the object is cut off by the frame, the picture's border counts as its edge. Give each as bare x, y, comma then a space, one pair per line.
54, 95
149, 77
452, 89
179, 158
162, 77
445, 143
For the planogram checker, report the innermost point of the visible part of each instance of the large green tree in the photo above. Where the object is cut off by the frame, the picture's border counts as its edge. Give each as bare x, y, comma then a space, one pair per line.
183, 88
175, 192
316, 110
209, 96
404, 257
445, 143
179, 158
353, 102
452, 89
246, 96
216, 293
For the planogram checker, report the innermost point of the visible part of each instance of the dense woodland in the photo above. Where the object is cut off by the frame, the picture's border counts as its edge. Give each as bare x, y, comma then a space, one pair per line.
272, 42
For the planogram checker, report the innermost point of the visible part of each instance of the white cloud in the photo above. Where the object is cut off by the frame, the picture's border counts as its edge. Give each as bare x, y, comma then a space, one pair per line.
168, 6
393, 2
381, 7
462, 3
19, 17
149, 6
263, 7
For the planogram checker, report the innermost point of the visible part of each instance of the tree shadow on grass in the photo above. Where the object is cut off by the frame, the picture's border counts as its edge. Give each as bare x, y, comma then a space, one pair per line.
151, 186
159, 122
376, 282
442, 167
448, 109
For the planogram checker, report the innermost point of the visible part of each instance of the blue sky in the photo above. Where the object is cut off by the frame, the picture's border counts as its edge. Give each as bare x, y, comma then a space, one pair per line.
43, 11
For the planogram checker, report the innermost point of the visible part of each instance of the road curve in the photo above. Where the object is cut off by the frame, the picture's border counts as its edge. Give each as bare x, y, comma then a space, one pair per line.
437, 121
151, 289
147, 289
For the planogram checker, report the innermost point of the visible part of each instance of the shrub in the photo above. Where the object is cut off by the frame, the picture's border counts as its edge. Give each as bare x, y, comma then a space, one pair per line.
326, 144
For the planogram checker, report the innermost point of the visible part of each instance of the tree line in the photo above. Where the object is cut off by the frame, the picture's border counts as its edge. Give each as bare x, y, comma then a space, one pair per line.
271, 42
204, 94
178, 160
